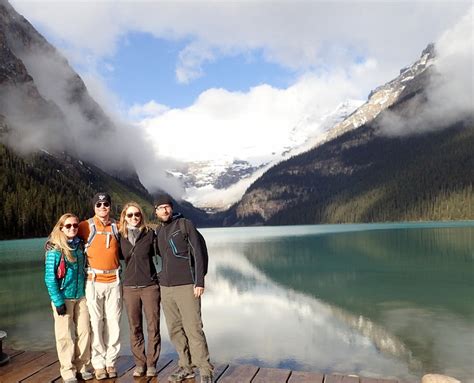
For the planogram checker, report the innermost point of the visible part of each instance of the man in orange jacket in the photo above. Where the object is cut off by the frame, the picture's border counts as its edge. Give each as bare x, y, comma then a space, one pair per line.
103, 292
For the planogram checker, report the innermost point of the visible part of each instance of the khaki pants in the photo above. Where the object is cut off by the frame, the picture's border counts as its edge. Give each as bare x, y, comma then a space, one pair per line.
72, 333
104, 301
137, 301
183, 319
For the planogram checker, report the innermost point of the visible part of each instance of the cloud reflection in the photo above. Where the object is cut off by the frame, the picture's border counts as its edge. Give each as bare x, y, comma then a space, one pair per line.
250, 318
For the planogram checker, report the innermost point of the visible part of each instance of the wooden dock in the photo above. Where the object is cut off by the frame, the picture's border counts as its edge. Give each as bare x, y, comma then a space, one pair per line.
43, 367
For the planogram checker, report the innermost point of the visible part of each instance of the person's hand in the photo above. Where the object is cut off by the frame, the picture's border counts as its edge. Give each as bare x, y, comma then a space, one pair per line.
61, 310
198, 291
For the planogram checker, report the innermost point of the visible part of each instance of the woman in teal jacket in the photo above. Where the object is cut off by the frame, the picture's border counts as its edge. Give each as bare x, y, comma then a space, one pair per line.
64, 277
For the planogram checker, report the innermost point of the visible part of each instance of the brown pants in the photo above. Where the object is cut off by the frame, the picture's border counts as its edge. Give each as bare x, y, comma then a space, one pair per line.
148, 300
183, 319
72, 333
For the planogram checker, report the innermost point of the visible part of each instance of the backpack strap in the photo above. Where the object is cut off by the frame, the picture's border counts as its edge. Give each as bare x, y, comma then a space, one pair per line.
183, 229
115, 230
192, 262
92, 233
156, 256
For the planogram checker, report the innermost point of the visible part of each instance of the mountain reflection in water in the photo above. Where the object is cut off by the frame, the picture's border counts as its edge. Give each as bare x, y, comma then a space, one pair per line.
391, 302
251, 319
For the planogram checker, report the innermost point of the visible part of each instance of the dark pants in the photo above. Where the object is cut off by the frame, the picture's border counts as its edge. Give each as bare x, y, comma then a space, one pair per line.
148, 299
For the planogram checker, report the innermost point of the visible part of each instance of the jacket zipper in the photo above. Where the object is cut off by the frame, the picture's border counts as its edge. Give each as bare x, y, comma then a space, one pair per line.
164, 255
77, 272
135, 263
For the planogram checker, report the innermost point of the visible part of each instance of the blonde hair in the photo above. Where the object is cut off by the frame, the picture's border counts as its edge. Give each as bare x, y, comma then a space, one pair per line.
123, 223
59, 240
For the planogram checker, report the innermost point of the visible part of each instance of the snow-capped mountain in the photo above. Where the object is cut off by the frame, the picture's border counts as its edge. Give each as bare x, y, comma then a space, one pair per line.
216, 184
384, 96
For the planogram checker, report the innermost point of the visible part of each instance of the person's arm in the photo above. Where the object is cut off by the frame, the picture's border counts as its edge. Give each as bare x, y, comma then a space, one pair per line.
120, 253
198, 258
156, 246
51, 265
83, 231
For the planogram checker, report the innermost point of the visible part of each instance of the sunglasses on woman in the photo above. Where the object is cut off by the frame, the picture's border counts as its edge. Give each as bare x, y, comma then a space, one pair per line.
99, 204
69, 225
136, 214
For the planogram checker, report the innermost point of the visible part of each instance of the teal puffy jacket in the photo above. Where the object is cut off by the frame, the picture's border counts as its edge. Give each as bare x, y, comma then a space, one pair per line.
73, 284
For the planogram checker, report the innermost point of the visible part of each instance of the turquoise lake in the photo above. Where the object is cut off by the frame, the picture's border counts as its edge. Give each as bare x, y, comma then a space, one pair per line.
388, 300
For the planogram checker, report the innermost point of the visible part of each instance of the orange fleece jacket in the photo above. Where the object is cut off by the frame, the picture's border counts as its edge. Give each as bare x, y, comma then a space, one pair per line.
98, 255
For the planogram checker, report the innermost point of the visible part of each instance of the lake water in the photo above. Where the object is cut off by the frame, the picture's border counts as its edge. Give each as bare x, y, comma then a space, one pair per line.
389, 300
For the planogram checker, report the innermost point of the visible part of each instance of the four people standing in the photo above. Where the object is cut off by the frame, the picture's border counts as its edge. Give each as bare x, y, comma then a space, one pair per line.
181, 280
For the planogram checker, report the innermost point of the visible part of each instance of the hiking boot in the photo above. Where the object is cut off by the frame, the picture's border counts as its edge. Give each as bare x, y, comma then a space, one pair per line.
101, 374
112, 372
87, 375
181, 374
150, 371
138, 371
206, 379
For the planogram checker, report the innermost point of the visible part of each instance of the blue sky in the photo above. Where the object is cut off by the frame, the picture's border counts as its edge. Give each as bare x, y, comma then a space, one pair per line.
143, 69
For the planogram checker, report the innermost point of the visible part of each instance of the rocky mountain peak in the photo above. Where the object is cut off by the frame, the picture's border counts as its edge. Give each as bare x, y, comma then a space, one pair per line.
429, 50
386, 95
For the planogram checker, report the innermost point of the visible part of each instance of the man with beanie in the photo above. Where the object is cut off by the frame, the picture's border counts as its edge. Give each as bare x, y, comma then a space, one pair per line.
103, 292
181, 289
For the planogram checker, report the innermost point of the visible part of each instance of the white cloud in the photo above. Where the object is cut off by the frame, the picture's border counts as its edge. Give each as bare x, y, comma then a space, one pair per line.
190, 62
302, 35
450, 93
251, 125
150, 109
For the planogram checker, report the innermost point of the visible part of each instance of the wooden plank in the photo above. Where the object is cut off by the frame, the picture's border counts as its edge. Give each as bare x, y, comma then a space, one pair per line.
29, 368
170, 368
47, 374
124, 364
305, 377
239, 374
274, 375
377, 380
164, 373
339, 378
18, 361
128, 377
11, 352
218, 371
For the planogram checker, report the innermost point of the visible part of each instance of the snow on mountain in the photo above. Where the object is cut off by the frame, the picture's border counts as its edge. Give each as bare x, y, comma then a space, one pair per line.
384, 96
218, 183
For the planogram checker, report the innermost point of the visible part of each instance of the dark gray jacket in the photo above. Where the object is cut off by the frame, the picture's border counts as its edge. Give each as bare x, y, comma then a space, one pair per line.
173, 249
